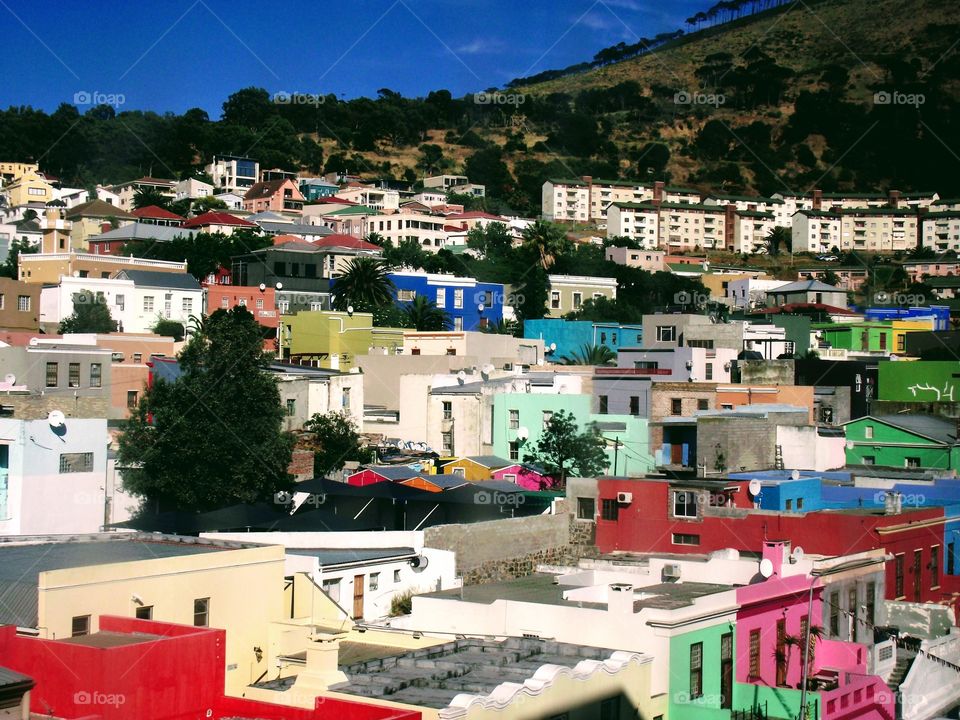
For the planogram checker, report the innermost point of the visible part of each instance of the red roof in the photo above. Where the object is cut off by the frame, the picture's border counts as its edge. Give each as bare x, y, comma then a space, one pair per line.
454, 228
281, 239
476, 215
797, 307
152, 212
332, 200
344, 241
217, 218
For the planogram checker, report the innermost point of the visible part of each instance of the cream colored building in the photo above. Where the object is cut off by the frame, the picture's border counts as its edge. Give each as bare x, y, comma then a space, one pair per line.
691, 227
48, 268
427, 230
373, 197
638, 221
941, 230
569, 292
565, 201
649, 260
751, 230
30, 188
816, 231
10, 171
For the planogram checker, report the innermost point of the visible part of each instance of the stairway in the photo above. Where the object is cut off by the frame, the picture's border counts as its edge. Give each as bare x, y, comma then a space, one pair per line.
904, 663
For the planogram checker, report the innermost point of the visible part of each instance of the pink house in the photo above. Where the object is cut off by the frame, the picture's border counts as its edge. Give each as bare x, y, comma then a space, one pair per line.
273, 196
382, 473
525, 476
771, 625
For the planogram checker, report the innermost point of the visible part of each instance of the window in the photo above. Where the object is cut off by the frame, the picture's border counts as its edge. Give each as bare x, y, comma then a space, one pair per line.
406, 295
137, 357
457, 325
781, 654
696, 670
685, 539
279, 268
547, 417
187, 305
95, 375
666, 333
676, 406
374, 581
853, 609
201, 612
53, 370
602, 405
868, 432
23, 303
555, 300
291, 407
911, 462
703, 404
934, 566
514, 450
332, 588
709, 371
834, 614
148, 303
458, 298
578, 301
396, 576
144, 612
80, 625
799, 504
224, 302
869, 459
898, 586
441, 297
789, 505
345, 398
871, 603
684, 504
726, 670
951, 567
610, 708
132, 397
755, 653
514, 419
586, 508
811, 643
73, 375
446, 443
76, 462
447, 410
609, 509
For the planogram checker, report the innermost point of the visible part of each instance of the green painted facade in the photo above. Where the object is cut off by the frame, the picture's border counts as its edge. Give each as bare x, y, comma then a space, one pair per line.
632, 458
919, 381
857, 337
877, 443
333, 339
775, 702
684, 704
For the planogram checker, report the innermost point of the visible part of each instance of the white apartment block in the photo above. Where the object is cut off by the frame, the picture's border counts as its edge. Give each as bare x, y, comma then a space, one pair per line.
940, 231
815, 231
373, 197
789, 204
681, 195
233, 174
744, 202
637, 221
878, 230
565, 201
692, 227
751, 229
605, 192
427, 230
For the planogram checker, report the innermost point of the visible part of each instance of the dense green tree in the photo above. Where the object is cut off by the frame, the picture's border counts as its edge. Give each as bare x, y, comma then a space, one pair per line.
779, 238
150, 196
18, 247
213, 437
91, 314
169, 328
563, 451
364, 285
591, 355
335, 440
422, 314
548, 240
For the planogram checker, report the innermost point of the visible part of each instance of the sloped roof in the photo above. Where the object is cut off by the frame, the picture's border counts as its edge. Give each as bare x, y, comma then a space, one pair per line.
154, 278
144, 231
268, 188
217, 218
494, 462
344, 241
807, 286
98, 209
153, 212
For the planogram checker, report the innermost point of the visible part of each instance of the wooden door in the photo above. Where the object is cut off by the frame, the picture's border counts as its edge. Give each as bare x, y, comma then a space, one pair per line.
358, 597
676, 454
917, 566
726, 670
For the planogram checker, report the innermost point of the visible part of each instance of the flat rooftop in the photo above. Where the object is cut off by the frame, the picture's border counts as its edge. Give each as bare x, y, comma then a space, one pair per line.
432, 677
111, 639
332, 557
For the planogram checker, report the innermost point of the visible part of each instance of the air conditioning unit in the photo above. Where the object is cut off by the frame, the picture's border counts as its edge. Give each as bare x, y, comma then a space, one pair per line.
624, 498
671, 571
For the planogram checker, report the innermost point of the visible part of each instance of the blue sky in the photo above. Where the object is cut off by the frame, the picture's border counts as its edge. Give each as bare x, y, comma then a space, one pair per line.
177, 54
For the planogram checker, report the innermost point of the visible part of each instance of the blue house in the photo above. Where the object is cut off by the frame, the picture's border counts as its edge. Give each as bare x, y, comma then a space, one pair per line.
569, 336
939, 313
316, 188
471, 305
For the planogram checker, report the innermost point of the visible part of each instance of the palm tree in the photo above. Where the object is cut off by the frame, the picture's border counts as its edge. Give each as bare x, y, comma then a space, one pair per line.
779, 236
591, 355
501, 327
422, 314
150, 196
364, 285
549, 241
375, 238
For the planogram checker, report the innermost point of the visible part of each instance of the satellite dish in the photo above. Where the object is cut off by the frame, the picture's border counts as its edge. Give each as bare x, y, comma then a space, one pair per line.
486, 370
894, 357
522, 433
795, 475
461, 377
755, 487
56, 419
10, 379
766, 567
34, 342
850, 445
797, 554
553, 347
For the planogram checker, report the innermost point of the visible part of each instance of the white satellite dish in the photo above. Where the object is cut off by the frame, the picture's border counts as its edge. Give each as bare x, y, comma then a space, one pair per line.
10, 379
755, 487
522, 433
797, 554
486, 370
34, 342
850, 445
795, 475
766, 567
461, 377
553, 347
56, 419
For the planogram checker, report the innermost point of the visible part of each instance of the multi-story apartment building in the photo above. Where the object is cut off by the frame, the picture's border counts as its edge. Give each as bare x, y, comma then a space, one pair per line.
750, 230
233, 174
816, 231
637, 221
940, 230
691, 226
127, 191
881, 229
470, 305
566, 201
427, 230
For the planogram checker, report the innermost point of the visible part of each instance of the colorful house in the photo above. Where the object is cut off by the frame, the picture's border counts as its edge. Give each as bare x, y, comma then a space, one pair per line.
904, 441
570, 336
435, 483
274, 196
477, 467
382, 473
470, 304
526, 476
329, 339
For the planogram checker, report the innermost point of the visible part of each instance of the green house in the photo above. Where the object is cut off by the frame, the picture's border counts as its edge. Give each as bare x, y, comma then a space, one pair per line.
857, 337
905, 441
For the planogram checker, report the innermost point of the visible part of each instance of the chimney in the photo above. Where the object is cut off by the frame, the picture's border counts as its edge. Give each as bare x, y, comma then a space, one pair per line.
620, 598
774, 551
588, 179
817, 199
729, 226
658, 191
322, 669
894, 198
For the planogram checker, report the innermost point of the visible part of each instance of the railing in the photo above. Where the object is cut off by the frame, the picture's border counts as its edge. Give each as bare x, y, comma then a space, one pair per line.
120, 259
753, 713
883, 658
632, 371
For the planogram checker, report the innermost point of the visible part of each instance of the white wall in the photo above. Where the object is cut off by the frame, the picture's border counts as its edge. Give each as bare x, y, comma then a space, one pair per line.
804, 449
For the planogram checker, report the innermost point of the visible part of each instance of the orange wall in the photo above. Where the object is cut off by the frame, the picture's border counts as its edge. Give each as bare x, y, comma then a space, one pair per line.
799, 395
123, 378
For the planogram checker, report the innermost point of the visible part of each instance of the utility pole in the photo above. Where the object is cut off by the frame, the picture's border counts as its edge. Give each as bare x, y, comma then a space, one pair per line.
616, 452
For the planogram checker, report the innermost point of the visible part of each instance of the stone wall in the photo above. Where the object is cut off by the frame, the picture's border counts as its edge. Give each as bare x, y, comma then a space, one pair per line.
38, 407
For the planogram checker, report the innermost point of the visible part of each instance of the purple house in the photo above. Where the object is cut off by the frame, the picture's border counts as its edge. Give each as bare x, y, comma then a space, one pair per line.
526, 476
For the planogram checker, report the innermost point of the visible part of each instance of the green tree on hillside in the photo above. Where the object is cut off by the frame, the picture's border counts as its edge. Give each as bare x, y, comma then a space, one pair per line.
213, 437
335, 440
90, 315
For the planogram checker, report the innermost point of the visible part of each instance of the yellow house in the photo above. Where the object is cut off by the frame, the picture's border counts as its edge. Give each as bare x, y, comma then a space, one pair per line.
178, 580
10, 171
88, 219
477, 467
902, 327
29, 188
332, 339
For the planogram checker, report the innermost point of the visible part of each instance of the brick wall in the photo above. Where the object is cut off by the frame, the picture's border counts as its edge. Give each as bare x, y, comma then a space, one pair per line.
37, 407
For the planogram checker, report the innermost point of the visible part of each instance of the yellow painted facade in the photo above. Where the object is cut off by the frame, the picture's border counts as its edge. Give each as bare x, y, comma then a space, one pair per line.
29, 188
472, 471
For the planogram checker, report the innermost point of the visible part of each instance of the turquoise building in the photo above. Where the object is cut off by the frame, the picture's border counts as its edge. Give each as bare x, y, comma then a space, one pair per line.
571, 335
519, 414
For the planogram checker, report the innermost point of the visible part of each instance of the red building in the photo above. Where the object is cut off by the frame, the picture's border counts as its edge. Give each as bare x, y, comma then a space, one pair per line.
150, 671
262, 304
701, 516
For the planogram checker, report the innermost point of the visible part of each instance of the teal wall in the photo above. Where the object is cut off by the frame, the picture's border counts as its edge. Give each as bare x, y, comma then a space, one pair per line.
708, 706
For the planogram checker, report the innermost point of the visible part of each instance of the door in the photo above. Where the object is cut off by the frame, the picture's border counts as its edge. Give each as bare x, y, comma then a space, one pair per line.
676, 454
726, 670
358, 597
917, 564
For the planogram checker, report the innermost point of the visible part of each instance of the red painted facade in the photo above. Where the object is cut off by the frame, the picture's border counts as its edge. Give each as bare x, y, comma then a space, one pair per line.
366, 477
262, 304
178, 676
648, 524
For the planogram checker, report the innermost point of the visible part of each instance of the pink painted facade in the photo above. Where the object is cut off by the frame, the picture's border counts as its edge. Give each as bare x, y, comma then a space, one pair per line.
524, 476
365, 477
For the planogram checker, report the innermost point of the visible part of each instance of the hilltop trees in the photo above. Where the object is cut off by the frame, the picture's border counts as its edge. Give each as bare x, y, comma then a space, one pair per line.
212, 437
